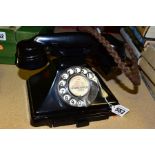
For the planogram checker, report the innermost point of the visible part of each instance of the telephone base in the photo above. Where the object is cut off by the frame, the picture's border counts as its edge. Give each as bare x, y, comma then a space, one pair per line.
45, 105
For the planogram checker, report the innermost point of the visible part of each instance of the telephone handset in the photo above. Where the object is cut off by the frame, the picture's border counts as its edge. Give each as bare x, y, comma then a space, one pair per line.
68, 90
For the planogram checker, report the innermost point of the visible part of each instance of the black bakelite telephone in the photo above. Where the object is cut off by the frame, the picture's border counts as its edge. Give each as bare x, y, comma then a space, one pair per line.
68, 90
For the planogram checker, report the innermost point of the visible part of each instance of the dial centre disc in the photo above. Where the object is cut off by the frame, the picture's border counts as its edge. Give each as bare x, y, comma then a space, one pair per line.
79, 85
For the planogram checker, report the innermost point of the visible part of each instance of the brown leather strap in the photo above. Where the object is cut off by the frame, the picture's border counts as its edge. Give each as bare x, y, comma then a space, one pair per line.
132, 72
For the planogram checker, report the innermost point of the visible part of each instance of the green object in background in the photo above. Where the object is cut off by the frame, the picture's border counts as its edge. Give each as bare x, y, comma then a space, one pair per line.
7, 55
27, 32
10, 32
11, 35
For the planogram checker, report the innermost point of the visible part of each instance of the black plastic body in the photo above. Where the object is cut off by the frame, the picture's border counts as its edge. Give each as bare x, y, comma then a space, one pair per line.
71, 49
44, 105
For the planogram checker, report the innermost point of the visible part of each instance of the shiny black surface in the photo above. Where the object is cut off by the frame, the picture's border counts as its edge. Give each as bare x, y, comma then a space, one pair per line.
67, 40
68, 43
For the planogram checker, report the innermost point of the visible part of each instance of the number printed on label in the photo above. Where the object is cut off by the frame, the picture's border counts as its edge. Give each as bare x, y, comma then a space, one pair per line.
2, 36
119, 110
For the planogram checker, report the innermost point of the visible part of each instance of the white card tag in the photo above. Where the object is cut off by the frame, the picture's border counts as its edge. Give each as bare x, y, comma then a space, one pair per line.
119, 110
2, 36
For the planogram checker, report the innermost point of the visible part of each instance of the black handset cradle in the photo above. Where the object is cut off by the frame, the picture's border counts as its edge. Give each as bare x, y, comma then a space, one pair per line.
68, 90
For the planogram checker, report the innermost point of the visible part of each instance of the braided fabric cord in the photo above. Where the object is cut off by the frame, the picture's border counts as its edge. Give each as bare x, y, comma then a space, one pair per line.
132, 71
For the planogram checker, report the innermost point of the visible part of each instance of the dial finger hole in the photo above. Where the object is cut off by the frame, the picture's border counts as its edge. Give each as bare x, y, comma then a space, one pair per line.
81, 103
66, 97
62, 91
90, 75
73, 102
62, 83
84, 71
77, 69
70, 71
65, 76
